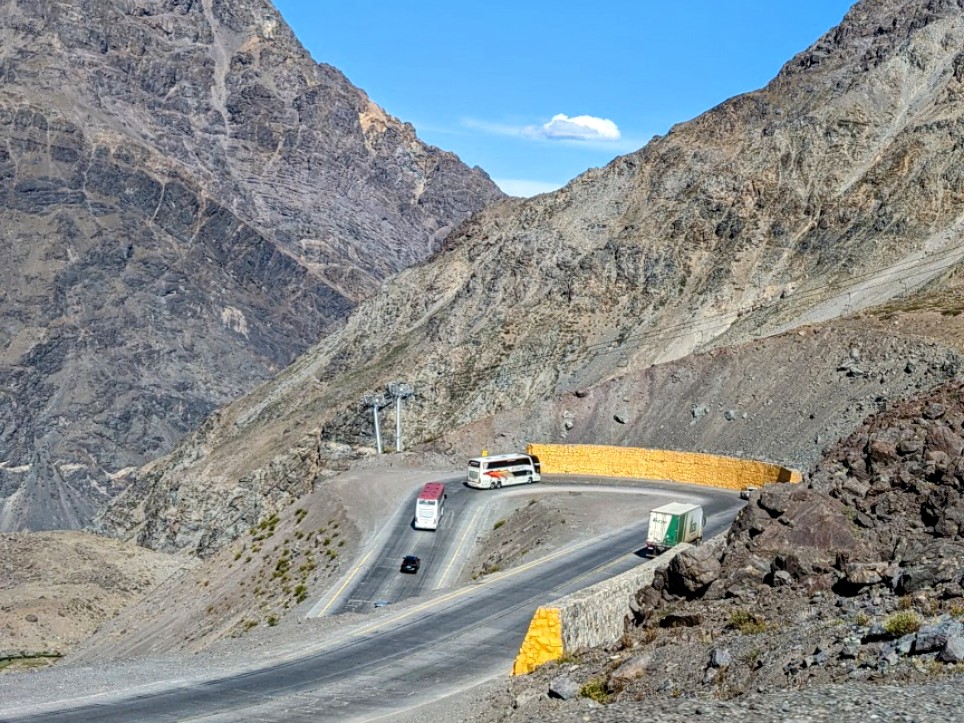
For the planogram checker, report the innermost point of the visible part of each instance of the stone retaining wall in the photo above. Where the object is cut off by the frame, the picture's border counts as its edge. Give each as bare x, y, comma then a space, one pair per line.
660, 464
591, 617
586, 619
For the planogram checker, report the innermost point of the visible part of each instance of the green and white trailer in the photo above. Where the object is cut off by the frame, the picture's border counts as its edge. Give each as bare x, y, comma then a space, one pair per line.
672, 524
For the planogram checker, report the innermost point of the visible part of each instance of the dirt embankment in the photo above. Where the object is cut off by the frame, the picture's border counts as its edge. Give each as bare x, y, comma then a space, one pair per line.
57, 588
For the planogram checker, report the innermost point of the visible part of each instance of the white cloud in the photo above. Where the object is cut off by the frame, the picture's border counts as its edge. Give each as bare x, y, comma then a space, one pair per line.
579, 128
525, 188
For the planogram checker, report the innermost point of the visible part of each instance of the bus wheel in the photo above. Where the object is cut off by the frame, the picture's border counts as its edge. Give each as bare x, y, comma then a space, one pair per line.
497, 484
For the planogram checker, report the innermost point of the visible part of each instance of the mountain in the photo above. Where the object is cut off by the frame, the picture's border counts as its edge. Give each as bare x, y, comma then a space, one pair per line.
782, 222
187, 202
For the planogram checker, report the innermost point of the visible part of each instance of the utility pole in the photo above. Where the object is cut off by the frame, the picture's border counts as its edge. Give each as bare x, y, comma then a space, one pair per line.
376, 402
399, 390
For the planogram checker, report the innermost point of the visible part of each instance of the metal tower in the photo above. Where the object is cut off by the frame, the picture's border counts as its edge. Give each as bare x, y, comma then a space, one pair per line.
400, 391
376, 402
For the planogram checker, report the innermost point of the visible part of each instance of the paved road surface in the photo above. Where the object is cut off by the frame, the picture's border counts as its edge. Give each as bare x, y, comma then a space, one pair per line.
439, 646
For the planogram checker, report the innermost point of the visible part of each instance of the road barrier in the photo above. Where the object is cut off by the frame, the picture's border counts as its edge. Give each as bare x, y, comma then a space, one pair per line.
660, 464
586, 619
596, 616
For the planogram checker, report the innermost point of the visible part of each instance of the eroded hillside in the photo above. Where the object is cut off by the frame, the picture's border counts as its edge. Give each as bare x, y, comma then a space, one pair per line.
833, 190
187, 202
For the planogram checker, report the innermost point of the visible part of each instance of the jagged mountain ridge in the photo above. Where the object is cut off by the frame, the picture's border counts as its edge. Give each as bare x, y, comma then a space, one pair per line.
835, 188
187, 202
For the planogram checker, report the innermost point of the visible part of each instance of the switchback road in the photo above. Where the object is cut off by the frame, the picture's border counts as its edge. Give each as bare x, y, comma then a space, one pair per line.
434, 647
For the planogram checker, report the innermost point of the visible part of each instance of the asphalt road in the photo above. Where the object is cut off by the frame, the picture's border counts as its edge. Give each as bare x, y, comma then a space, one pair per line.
381, 579
435, 647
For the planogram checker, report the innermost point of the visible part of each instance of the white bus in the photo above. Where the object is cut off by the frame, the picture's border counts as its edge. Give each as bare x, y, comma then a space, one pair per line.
430, 506
501, 470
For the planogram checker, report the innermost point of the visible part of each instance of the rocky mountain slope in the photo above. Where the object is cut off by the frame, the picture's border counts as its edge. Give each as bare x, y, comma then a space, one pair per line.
187, 202
835, 189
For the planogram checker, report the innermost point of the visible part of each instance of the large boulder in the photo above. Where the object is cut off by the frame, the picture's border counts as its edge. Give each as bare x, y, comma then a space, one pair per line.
692, 571
935, 637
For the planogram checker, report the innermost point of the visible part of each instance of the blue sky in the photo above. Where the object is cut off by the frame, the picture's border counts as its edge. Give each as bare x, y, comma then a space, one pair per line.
536, 92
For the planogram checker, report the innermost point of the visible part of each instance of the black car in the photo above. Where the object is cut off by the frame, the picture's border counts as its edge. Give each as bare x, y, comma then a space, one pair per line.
410, 564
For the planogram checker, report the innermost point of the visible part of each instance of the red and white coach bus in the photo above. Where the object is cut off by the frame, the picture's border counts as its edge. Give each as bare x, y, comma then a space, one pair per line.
430, 506
501, 470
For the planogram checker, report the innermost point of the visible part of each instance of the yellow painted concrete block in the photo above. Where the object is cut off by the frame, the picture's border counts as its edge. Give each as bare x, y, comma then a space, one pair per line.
542, 643
661, 464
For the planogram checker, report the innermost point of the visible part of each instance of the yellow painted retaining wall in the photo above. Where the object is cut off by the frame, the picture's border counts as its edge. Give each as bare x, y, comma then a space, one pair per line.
543, 641
660, 464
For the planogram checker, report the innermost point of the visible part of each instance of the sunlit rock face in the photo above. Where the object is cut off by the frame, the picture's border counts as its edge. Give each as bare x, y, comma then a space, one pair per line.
187, 202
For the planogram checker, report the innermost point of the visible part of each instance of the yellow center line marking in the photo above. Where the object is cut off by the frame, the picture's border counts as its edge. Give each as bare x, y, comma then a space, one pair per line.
350, 577
458, 549
463, 591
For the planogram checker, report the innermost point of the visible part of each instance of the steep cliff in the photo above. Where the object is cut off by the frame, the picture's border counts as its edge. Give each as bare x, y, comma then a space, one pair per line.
187, 202
835, 189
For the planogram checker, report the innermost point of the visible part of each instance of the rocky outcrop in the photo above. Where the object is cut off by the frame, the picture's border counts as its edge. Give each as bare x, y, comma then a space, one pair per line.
187, 202
857, 576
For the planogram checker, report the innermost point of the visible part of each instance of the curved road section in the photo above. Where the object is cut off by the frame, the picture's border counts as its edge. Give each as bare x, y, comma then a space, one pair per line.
429, 649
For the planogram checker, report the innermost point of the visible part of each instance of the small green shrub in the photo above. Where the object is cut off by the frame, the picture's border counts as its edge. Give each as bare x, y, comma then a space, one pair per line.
272, 620
752, 657
903, 622
747, 622
498, 524
595, 690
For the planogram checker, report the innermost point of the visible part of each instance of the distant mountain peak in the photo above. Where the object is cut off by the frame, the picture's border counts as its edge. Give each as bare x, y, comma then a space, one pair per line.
187, 202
